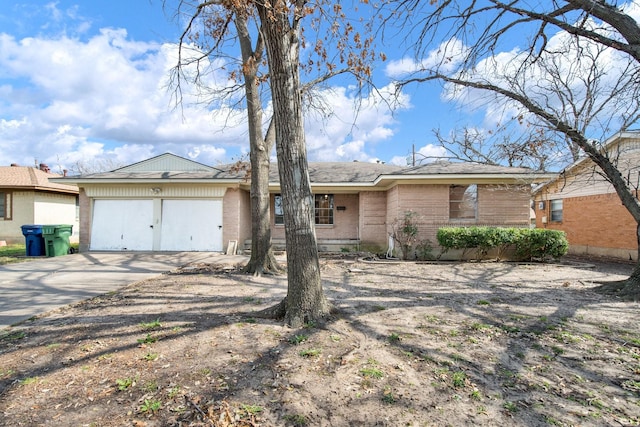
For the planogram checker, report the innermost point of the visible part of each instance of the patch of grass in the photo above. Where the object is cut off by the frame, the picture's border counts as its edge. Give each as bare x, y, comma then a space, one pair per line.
477, 326
252, 409
483, 302
312, 352
335, 338
459, 379
510, 329
14, 336
150, 406
388, 397
310, 325
510, 407
151, 325
393, 338
12, 253
432, 318
53, 345
379, 308
296, 420
205, 372
6, 372
476, 395
151, 386
371, 372
174, 391
149, 339
125, 383
250, 320
28, 380
298, 339
150, 357
105, 356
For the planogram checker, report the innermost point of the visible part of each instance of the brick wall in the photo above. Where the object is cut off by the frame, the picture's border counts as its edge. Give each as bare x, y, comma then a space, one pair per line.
597, 224
506, 204
231, 216
373, 218
85, 221
498, 205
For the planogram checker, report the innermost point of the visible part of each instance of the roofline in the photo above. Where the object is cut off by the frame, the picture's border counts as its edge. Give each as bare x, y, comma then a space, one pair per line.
40, 188
148, 181
208, 168
378, 181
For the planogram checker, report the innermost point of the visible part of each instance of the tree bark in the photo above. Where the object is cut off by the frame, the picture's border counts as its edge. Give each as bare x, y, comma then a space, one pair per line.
262, 258
305, 299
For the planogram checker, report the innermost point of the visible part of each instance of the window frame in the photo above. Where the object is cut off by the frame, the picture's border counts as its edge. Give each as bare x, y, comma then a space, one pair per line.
554, 210
329, 211
6, 208
460, 201
278, 212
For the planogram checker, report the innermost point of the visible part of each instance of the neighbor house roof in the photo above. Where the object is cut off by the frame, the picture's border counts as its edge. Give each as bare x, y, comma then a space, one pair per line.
29, 178
169, 167
614, 146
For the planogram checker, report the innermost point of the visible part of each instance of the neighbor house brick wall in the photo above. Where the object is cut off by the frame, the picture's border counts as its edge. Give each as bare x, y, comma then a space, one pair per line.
373, 218
597, 224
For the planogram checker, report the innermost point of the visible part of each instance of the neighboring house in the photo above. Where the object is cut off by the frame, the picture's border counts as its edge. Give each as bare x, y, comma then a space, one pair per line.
582, 203
168, 203
28, 197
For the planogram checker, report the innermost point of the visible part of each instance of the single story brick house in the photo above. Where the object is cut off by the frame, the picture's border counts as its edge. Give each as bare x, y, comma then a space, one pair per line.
583, 204
27, 196
169, 203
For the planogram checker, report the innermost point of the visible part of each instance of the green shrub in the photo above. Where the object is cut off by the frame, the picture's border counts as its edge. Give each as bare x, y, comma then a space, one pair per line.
541, 244
529, 243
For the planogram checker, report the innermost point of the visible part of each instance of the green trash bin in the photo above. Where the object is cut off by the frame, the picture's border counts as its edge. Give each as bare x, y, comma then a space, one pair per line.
56, 239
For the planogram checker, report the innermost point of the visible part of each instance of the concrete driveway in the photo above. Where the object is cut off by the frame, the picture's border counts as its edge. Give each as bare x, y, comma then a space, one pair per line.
35, 287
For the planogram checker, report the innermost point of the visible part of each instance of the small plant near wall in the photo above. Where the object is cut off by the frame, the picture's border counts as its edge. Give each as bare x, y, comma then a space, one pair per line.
405, 233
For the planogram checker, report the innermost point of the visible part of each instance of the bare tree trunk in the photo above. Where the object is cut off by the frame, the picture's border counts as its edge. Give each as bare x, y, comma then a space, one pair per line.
305, 299
262, 258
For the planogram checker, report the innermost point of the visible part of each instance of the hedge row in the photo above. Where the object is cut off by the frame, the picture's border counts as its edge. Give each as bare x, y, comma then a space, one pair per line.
529, 243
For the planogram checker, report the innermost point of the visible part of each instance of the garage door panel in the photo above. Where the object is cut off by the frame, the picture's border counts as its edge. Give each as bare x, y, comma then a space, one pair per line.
191, 225
122, 225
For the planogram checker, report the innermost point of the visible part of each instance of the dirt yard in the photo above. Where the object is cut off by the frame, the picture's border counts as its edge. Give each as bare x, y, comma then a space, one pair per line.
492, 344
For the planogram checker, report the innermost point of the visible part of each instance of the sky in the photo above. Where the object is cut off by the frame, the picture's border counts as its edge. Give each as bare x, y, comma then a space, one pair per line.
87, 83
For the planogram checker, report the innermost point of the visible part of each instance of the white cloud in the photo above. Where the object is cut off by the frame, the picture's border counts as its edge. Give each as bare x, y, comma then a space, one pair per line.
355, 125
71, 93
445, 57
66, 100
426, 154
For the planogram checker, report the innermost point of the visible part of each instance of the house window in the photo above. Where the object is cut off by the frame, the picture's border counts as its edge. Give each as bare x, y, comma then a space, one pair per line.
278, 213
556, 210
5, 206
463, 201
323, 209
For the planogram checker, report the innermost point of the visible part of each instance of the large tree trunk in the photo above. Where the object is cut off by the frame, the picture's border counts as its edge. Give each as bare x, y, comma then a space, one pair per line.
262, 258
305, 299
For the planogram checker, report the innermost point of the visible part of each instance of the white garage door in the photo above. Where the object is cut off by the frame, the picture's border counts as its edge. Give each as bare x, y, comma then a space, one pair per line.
191, 225
122, 225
